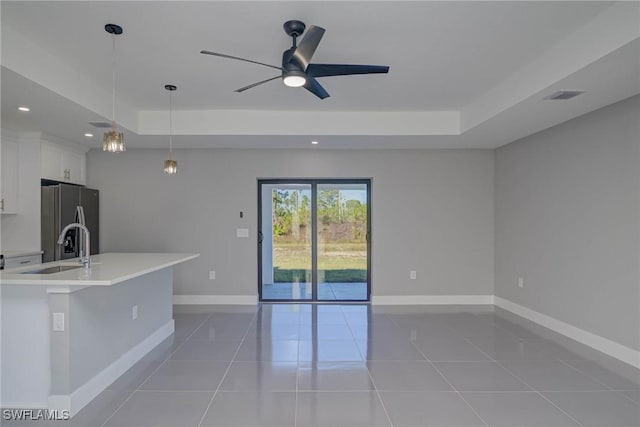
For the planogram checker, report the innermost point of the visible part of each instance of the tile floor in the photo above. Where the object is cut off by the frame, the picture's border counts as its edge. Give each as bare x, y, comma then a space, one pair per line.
353, 365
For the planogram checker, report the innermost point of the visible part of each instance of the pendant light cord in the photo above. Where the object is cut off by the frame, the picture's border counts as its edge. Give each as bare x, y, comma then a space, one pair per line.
113, 81
170, 121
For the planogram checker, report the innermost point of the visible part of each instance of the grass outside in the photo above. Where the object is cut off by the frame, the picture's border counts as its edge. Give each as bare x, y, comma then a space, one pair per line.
337, 262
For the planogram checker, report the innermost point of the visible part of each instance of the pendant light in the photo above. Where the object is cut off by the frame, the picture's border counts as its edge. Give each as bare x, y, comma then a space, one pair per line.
170, 165
113, 141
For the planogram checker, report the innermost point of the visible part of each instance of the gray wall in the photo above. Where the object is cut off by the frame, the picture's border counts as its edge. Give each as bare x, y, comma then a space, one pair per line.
568, 222
432, 212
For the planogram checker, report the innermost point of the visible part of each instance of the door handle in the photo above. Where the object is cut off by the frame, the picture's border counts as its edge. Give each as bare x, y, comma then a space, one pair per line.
260, 237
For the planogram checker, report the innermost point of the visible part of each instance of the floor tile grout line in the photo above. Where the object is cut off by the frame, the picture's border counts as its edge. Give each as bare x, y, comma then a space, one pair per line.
623, 394
452, 386
588, 375
255, 315
375, 388
295, 411
156, 370
551, 359
542, 395
445, 379
524, 382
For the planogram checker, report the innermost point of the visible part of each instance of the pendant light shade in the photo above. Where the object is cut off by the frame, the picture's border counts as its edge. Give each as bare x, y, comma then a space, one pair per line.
113, 141
170, 165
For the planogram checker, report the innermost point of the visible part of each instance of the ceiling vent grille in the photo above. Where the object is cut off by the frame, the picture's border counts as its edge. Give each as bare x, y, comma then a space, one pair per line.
101, 125
562, 95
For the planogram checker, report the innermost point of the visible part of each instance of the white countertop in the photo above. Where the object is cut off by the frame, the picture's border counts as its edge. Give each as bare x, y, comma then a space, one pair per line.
16, 254
106, 270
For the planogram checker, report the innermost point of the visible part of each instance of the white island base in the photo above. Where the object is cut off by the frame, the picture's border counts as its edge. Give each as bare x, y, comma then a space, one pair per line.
44, 367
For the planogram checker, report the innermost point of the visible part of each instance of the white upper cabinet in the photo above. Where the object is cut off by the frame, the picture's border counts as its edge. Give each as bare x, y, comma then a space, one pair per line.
60, 163
9, 196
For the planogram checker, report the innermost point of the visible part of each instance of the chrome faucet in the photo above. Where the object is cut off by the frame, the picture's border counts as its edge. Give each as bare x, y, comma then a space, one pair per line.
85, 258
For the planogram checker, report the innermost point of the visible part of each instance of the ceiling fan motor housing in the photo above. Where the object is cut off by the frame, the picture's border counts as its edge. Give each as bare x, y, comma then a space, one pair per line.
288, 61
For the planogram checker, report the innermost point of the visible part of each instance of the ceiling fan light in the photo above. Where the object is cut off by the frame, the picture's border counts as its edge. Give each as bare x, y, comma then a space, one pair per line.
294, 79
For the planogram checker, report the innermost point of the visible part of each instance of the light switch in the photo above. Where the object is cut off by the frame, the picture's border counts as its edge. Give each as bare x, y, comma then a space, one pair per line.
58, 322
242, 232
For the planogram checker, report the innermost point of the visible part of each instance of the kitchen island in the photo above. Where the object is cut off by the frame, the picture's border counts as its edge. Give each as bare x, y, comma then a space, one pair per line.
68, 334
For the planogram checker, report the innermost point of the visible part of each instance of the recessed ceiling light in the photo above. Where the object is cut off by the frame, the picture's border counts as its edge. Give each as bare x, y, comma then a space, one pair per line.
88, 135
314, 142
24, 109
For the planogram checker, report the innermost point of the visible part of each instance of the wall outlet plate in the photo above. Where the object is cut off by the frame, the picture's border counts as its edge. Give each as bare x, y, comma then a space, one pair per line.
242, 232
520, 282
413, 275
134, 312
212, 275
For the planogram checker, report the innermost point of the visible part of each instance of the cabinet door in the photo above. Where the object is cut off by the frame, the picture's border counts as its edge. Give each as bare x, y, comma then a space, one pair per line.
9, 196
52, 165
73, 167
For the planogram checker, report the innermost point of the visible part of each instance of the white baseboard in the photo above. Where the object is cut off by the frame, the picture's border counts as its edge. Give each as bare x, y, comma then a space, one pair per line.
432, 299
89, 390
604, 345
215, 299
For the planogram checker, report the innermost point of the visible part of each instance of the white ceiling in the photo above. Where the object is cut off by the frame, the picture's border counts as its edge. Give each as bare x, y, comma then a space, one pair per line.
462, 74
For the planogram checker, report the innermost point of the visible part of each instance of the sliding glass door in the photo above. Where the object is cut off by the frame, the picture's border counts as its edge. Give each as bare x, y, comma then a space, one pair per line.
313, 240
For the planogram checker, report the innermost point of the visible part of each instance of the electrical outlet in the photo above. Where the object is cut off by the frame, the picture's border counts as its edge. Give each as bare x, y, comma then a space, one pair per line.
413, 275
520, 282
58, 322
212, 275
134, 312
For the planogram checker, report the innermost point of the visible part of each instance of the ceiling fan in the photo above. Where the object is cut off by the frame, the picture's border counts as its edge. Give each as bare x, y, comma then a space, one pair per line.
297, 71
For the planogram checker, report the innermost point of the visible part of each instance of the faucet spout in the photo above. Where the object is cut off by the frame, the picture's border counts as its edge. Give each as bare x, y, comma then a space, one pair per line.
86, 259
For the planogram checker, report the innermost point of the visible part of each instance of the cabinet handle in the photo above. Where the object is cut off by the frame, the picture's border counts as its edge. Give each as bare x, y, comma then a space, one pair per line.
25, 262
69, 174
2, 204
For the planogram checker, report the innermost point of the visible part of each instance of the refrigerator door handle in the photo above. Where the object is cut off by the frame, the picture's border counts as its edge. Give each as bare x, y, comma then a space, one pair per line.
80, 240
80, 215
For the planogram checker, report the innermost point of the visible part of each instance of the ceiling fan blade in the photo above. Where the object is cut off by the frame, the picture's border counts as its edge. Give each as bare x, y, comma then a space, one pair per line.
307, 47
326, 70
242, 89
222, 55
316, 88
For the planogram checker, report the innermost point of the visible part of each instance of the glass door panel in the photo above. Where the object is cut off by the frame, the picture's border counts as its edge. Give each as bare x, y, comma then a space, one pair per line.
342, 248
285, 242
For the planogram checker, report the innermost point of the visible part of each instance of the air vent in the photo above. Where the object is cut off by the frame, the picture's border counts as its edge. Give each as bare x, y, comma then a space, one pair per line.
100, 124
562, 95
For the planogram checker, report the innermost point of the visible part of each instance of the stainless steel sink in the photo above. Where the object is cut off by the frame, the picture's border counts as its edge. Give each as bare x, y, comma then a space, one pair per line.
51, 270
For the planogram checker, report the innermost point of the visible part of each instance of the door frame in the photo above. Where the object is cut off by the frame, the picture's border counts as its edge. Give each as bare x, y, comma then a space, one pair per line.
314, 234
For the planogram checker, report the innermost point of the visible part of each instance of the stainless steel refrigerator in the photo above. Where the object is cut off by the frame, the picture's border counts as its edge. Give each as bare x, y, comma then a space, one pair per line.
63, 204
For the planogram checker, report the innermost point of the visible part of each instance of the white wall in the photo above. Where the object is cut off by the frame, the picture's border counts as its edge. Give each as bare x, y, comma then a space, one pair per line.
568, 222
432, 212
